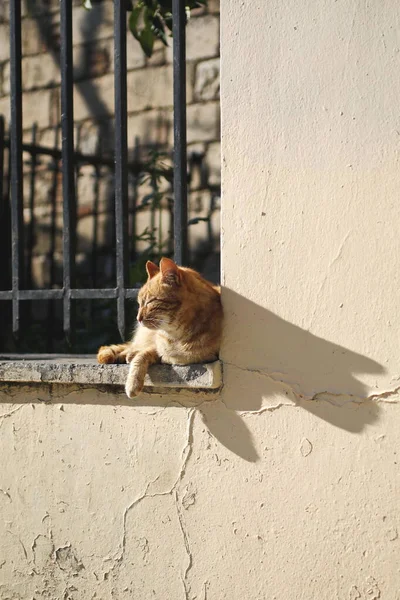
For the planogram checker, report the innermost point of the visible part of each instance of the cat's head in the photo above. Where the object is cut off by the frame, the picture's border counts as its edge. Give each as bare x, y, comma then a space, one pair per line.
171, 295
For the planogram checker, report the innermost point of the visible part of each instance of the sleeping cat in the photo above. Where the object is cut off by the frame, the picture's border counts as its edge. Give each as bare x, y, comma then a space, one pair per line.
179, 322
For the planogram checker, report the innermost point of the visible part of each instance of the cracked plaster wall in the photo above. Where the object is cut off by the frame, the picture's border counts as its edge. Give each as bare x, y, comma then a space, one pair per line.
286, 486
183, 497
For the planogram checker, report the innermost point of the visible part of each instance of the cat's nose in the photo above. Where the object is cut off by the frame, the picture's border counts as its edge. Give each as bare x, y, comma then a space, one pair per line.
140, 316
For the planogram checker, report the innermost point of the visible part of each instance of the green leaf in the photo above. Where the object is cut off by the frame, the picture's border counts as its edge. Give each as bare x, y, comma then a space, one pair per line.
147, 41
144, 35
149, 20
134, 19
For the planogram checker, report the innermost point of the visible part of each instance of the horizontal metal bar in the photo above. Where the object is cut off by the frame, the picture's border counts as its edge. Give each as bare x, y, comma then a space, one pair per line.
40, 294
88, 294
132, 292
91, 159
74, 294
34, 295
100, 294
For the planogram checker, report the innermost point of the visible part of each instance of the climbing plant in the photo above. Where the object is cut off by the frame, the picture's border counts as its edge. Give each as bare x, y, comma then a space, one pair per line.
151, 20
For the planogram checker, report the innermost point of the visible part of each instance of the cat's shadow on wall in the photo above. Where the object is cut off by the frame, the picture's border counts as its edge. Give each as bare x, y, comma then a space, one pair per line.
267, 358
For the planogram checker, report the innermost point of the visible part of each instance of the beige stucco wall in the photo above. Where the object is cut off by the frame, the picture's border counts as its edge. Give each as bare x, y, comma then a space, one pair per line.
311, 261
287, 486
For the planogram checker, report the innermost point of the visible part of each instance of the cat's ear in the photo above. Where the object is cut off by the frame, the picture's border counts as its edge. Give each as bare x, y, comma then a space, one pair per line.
151, 269
170, 272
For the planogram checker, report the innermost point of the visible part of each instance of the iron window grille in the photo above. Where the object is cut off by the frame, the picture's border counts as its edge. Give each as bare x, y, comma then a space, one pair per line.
69, 291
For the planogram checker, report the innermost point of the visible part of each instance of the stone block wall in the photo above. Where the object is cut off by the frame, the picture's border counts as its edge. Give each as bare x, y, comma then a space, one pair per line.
149, 127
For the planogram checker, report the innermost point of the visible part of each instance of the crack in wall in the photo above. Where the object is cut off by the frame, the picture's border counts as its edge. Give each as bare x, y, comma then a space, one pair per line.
206, 584
187, 547
385, 396
185, 455
6, 415
335, 399
120, 558
264, 409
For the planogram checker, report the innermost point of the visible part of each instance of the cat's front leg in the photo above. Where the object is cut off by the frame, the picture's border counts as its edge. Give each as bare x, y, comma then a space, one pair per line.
137, 371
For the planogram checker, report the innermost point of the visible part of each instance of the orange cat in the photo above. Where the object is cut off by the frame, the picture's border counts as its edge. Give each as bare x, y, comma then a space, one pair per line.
180, 322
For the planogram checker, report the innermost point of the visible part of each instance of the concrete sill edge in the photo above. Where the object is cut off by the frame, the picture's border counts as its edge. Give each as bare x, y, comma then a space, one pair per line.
84, 370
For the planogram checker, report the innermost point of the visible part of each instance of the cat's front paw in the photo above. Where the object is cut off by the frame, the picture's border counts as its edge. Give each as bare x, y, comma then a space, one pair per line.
106, 355
134, 385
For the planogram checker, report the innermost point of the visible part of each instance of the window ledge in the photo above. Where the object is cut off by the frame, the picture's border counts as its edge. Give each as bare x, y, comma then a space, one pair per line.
85, 370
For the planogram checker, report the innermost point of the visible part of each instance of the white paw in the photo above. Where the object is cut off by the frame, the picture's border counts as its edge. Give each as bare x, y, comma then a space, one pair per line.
133, 386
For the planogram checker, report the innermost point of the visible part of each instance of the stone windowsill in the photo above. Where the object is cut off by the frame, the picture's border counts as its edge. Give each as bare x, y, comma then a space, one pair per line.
84, 370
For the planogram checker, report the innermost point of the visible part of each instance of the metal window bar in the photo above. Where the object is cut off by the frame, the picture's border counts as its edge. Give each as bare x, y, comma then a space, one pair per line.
180, 160
16, 161
68, 175
121, 151
69, 158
